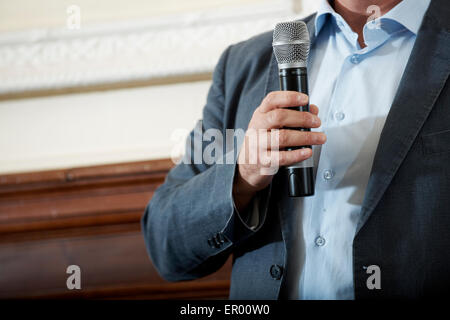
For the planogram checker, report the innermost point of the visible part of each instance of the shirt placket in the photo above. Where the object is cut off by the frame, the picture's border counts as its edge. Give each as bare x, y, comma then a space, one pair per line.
318, 233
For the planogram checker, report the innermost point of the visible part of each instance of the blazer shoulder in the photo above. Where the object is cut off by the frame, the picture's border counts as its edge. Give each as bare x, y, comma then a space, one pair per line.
249, 52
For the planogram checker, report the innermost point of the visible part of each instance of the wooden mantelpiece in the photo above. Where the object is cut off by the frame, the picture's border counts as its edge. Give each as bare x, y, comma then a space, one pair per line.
89, 217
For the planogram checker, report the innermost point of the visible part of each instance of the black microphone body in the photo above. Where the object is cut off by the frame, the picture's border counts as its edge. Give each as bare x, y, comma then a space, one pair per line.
300, 175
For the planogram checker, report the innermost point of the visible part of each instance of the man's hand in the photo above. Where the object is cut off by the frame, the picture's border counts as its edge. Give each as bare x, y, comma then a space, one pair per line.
271, 114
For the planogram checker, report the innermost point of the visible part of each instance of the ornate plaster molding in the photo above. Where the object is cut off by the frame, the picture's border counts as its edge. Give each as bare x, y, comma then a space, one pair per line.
188, 44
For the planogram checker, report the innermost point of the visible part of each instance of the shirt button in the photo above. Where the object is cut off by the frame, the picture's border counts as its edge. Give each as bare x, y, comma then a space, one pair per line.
328, 174
354, 59
320, 241
276, 271
339, 116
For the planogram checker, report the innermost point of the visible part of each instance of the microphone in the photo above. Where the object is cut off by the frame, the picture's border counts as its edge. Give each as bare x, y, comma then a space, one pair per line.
291, 49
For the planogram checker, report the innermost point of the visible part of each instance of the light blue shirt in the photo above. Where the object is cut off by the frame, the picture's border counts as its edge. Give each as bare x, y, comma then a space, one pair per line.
354, 89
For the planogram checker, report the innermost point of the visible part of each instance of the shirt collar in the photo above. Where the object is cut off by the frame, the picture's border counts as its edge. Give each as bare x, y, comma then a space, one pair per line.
325, 10
408, 13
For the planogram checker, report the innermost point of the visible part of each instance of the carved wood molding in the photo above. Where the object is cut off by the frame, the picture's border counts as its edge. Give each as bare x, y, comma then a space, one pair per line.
98, 195
89, 217
130, 51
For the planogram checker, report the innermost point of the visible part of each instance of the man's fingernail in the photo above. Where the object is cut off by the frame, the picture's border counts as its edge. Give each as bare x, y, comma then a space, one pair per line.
316, 120
304, 152
302, 98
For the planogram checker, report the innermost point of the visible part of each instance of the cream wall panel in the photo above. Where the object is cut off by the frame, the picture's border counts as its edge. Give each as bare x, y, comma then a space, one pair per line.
97, 128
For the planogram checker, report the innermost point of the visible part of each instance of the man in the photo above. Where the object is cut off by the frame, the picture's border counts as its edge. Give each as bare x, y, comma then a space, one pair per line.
378, 224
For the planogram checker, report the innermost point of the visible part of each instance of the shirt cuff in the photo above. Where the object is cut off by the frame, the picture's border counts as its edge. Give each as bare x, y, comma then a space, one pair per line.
251, 216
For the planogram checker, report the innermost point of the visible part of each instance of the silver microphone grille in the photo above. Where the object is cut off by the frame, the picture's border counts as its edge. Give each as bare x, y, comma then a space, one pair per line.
291, 44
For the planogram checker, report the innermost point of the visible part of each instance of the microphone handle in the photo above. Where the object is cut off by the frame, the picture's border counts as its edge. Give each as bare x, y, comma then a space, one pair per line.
300, 175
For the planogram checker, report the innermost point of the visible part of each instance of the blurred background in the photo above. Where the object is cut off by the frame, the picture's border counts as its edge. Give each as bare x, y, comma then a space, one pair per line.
94, 95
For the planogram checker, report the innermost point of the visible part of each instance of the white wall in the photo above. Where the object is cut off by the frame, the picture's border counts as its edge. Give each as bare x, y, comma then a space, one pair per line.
96, 128
117, 125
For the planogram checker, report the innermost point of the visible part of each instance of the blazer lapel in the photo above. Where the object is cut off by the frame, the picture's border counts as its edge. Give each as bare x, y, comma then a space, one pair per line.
424, 77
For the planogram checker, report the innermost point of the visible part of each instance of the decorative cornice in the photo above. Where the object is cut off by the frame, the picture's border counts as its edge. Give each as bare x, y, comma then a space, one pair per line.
133, 51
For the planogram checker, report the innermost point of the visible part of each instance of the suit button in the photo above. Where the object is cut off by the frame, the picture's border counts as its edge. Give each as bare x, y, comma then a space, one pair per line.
219, 238
224, 239
276, 271
214, 242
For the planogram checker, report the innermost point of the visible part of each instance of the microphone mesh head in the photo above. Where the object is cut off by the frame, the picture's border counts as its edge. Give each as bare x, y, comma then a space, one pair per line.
291, 43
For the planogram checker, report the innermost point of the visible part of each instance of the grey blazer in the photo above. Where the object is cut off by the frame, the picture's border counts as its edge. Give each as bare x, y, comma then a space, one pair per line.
191, 226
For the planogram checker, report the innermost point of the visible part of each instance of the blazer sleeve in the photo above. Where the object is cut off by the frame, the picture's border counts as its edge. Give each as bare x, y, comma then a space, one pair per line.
191, 224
